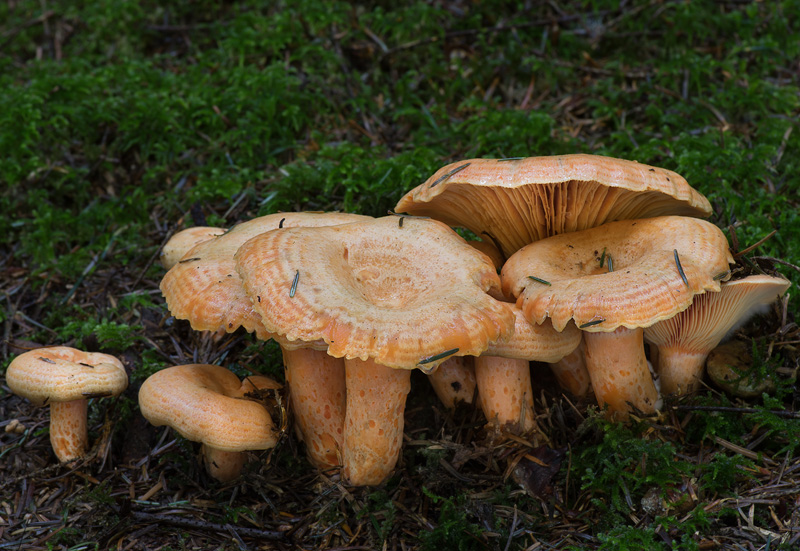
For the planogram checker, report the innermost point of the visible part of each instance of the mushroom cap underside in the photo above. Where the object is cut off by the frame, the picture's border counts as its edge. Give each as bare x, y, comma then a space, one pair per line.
518, 201
405, 295
659, 265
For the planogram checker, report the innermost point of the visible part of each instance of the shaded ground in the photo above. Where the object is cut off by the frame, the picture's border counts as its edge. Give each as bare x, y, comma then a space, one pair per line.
705, 93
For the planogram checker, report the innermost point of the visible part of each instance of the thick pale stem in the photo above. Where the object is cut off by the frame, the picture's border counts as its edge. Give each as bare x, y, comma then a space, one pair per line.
504, 385
454, 381
373, 427
222, 465
69, 435
318, 400
680, 371
619, 372
571, 372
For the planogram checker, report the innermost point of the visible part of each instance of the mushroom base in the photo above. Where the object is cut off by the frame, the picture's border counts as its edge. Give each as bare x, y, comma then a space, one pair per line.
504, 385
318, 401
68, 433
373, 426
619, 372
222, 465
680, 372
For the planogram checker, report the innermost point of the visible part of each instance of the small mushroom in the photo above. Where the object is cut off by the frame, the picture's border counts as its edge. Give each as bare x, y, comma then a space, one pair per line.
208, 404
65, 378
659, 265
685, 340
385, 297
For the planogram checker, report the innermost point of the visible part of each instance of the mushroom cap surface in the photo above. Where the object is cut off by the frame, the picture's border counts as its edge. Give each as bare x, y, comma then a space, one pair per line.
518, 201
184, 240
204, 287
535, 342
703, 325
207, 403
645, 286
399, 295
64, 374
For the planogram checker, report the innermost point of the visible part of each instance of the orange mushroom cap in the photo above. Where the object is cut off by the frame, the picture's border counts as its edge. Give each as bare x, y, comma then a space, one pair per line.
184, 240
204, 287
400, 295
517, 201
659, 265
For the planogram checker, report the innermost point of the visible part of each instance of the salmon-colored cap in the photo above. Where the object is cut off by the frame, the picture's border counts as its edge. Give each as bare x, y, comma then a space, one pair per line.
535, 342
204, 287
518, 201
659, 264
64, 374
207, 403
180, 243
405, 295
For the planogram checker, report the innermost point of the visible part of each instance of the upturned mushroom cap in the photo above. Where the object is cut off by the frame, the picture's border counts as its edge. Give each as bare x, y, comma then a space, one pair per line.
685, 340
405, 296
204, 287
64, 374
207, 403
180, 243
518, 201
646, 285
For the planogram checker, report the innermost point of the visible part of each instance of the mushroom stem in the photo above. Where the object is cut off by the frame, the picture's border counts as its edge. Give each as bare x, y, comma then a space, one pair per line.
222, 465
504, 385
318, 400
68, 433
680, 370
454, 381
373, 426
571, 372
619, 372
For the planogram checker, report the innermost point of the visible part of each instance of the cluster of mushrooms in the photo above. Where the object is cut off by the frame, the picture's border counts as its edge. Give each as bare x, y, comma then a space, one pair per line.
582, 259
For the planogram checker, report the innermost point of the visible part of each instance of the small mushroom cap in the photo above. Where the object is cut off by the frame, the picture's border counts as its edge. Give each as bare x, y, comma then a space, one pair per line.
204, 287
519, 201
703, 325
534, 342
644, 287
64, 374
180, 243
400, 295
207, 403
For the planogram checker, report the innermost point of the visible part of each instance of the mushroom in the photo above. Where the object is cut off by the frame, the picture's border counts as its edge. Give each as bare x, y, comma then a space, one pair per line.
66, 378
205, 289
388, 295
208, 404
685, 340
503, 372
514, 202
180, 243
659, 265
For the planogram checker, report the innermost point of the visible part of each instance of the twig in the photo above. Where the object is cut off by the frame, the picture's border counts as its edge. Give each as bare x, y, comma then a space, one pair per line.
203, 525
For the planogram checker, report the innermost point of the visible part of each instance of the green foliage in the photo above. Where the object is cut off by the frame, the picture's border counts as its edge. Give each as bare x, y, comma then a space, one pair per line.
109, 334
453, 528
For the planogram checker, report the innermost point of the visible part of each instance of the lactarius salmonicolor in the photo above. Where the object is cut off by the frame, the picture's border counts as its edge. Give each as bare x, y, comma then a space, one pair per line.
613, 281
514, 202
685, 340
503, 372
388, 295
183, 241
65, 379
205, 289
208, 404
